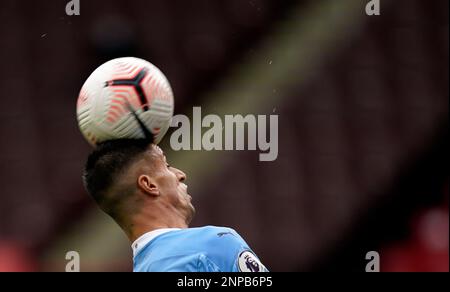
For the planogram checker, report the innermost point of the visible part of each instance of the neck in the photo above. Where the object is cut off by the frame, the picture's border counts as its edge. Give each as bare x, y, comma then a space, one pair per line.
143, 223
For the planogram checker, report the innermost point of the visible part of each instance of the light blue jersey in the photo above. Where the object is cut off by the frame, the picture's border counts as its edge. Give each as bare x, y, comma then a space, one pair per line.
204, 249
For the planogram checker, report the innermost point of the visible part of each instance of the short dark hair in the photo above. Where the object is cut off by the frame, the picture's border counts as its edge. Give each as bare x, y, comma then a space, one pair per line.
106, 162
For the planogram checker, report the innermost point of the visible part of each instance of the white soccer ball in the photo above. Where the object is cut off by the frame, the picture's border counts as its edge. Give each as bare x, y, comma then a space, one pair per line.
117, 88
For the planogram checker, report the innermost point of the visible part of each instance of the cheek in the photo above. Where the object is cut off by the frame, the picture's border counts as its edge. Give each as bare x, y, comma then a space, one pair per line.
169, 179
168, 184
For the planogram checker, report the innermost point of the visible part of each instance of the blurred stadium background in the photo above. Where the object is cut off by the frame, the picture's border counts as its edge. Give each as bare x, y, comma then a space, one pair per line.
363, 127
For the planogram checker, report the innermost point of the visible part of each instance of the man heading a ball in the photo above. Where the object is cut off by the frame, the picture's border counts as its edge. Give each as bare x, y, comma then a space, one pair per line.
125, 108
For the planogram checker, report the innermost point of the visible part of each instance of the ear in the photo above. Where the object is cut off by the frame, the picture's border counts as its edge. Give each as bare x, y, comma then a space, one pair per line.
147, 185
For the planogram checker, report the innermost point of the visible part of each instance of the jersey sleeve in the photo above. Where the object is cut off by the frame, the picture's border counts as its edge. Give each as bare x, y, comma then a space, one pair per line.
232, 254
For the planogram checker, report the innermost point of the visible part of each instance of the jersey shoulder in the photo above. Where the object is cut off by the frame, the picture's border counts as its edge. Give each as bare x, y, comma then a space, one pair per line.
228, 251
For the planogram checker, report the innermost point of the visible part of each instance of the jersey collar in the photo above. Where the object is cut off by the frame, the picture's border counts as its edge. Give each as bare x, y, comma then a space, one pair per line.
144, 239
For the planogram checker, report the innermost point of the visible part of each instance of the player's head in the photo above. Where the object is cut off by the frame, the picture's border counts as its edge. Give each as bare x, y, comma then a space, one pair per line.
130, 180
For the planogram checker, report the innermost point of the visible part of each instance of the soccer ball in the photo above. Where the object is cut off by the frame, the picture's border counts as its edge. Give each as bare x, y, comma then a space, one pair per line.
125, 98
